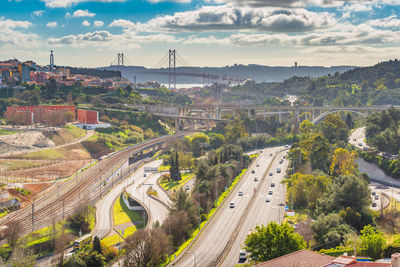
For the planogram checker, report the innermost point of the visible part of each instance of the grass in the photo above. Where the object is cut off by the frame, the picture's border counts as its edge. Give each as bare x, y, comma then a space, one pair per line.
76, 131
163, 168
71, 152
176, 185
122, 214
6, 132
13, 165
114, 239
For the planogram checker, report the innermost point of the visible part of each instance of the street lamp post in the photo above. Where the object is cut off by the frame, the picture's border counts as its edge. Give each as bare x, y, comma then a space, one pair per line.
308, 203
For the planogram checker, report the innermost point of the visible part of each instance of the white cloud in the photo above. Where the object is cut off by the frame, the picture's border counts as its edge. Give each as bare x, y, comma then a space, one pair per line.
227, 18
80, 14
104, 39
69, 3
85, 23
98, 23
388, 22
12, 33
52, 24
38, 13
357, 7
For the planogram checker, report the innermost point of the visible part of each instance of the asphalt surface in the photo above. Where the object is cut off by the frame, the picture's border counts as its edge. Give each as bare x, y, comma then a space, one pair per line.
262, 212
217, 233
357, 138
158, 211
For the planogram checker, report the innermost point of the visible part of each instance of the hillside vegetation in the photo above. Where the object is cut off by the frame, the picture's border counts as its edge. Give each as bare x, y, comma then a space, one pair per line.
375, 85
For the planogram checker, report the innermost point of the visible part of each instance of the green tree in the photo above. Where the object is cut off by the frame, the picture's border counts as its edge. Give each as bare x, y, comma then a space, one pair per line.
334, 129
349, 121
74, 261
372, 241
234, 130
345, 191
329, 230
272, 241
93, 259
174, 170
217, 141
97, 245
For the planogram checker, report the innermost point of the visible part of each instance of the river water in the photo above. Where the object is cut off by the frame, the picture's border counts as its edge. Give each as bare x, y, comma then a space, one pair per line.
376, 174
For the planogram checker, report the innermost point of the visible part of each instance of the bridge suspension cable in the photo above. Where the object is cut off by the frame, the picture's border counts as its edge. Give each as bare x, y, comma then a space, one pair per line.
162, 62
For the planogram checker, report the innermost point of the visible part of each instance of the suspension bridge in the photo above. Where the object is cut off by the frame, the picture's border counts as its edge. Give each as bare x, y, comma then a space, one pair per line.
168, 66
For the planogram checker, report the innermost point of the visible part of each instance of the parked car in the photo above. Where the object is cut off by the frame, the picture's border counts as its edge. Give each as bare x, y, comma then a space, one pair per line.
374, 204
272, 184
255, 179
267, 200
187, 188
269, 192
240, 193
278, 170
253, 171
232, 205
270, 174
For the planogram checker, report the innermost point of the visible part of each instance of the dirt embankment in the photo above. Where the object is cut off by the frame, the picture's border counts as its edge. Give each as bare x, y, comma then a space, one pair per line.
23, 142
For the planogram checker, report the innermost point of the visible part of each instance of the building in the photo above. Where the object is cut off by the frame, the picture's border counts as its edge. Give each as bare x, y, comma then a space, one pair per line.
65, 72
308, 258
27, 115
24, 72
88, 116
301, 258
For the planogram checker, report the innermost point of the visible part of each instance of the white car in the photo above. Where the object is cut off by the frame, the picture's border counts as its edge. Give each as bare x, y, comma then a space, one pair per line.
232, 205
187, 188
267, 200
242, 255
240, 193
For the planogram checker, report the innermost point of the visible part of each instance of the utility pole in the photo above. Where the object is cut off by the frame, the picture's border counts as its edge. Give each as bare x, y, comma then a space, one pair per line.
33, 214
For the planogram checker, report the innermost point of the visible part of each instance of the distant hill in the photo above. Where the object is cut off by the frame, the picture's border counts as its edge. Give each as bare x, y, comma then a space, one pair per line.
101, 73
257, 72
375, 85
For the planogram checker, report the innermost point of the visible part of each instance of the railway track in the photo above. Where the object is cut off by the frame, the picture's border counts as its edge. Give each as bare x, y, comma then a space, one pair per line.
65, 197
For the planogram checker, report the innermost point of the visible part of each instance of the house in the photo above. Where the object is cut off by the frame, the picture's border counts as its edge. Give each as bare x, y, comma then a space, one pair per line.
301, 258
308, 258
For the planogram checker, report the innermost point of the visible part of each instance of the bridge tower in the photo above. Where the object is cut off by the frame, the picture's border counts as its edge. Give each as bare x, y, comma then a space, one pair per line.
120, 59
171, 68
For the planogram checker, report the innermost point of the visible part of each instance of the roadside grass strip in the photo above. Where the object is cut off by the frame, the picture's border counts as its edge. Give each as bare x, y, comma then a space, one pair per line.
122, 214
176, 185
115, 239
217, 203
6, 132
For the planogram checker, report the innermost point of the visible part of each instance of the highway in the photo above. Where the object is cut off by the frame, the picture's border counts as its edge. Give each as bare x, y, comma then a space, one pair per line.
262, 212
358, 137
212, 241
65, 197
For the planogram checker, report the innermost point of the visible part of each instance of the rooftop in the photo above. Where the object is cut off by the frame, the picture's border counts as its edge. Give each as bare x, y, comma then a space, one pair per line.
301, 258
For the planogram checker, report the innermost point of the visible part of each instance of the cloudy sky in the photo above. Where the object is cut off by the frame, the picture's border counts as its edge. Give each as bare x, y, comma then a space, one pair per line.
204, 32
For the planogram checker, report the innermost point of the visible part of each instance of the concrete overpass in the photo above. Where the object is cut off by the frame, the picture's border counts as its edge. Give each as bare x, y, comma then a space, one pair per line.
215, 113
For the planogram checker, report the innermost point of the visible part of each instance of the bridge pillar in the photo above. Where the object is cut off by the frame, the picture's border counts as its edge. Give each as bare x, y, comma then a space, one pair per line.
249, 113
217, 114
280, 118
313, 114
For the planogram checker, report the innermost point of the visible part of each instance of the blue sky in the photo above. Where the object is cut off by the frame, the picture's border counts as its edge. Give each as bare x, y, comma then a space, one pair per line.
204, 32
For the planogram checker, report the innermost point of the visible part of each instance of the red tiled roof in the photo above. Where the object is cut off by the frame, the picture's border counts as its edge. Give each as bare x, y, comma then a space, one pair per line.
370, 264
301, 258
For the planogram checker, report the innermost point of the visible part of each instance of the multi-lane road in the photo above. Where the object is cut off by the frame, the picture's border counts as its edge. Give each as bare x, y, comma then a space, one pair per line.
222, 237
